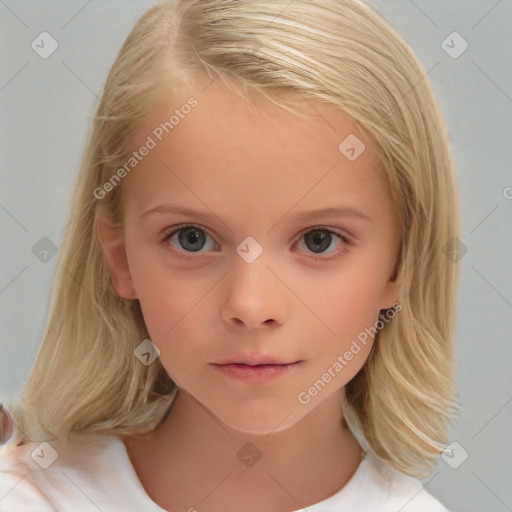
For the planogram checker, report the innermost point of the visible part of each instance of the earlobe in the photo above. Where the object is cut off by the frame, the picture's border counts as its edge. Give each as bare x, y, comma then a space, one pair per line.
111, 240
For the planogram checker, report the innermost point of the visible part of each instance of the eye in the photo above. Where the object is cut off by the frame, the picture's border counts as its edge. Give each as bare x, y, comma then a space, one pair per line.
319, 239
190, 238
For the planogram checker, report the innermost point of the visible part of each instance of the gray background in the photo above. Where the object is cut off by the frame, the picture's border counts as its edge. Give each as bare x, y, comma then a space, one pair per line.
46, 105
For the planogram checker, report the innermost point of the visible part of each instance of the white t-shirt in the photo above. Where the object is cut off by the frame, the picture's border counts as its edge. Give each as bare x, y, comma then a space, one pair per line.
94, 473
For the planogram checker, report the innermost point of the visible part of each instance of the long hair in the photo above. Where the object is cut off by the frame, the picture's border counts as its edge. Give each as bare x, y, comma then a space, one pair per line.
341, 53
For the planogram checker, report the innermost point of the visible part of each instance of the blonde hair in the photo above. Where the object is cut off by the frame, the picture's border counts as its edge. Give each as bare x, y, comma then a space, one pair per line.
336, 52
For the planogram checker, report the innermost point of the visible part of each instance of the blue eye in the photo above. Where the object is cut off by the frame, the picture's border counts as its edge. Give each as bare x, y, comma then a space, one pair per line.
318, 240
191, 238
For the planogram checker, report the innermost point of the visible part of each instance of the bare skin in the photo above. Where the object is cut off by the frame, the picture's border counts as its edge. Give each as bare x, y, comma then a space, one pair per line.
250, 174
194, 462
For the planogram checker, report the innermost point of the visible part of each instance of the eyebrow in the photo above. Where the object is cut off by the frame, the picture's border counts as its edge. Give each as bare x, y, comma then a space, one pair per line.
178, 210
302, 216
344, 211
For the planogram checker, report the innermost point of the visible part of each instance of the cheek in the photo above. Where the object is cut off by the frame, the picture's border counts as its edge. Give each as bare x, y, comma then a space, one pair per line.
346, 307
174, 307
344, 302
169, 308
167, 303
165, 297
340, 356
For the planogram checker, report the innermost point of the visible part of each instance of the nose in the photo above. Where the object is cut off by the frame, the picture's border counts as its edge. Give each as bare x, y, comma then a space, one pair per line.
253, 297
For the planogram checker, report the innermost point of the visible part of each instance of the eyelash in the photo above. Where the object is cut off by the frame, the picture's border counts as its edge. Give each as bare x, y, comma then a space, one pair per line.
346, 241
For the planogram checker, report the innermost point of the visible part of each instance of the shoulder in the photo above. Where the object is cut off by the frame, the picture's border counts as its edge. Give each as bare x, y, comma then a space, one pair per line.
34, 472
396, 491
80, 473
375, 487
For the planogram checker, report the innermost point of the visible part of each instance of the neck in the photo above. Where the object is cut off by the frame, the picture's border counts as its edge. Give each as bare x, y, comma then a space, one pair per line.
213, 465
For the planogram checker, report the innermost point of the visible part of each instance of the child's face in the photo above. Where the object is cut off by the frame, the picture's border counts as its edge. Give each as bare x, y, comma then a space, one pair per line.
209, 297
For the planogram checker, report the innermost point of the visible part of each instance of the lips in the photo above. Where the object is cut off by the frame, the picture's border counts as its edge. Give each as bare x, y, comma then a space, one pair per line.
254, 360
255, 369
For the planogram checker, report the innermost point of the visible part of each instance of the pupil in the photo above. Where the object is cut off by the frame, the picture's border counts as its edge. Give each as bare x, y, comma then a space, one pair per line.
190, 237
319, 238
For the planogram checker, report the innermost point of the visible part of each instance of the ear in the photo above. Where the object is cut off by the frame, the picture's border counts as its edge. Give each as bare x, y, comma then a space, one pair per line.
391, 290
111, 239
389, 295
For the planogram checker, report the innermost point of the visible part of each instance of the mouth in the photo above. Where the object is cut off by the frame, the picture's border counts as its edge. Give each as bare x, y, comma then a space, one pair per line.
255, 360
256, 372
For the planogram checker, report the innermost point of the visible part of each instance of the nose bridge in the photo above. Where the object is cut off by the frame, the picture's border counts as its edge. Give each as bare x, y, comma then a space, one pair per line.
254, 295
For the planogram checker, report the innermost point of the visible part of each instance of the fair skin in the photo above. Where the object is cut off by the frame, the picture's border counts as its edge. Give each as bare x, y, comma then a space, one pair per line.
249, 172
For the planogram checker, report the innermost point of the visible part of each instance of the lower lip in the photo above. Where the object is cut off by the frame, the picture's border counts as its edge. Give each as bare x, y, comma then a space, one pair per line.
256, 374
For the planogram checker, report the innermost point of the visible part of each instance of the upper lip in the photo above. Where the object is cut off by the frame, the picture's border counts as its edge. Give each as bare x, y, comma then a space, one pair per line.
253, 360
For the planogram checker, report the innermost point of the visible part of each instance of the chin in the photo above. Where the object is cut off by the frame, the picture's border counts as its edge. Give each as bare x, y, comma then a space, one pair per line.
258, 417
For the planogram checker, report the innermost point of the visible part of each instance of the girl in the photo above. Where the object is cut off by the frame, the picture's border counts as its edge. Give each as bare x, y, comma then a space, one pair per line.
254, 303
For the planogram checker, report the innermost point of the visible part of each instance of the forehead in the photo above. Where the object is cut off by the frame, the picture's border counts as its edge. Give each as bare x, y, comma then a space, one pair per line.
250, 155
